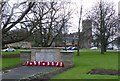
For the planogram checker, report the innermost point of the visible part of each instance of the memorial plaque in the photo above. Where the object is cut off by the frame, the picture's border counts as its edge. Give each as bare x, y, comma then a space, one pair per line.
46, 54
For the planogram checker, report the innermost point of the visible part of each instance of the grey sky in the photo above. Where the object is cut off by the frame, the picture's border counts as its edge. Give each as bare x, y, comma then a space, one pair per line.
87, 5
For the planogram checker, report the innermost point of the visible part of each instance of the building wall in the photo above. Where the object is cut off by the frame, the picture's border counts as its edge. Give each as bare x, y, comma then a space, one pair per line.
86, 34
71, 39
20, 44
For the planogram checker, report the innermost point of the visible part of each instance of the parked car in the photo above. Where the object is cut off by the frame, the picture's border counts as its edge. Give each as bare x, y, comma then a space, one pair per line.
74, 48
109, 48
112, 48
94, 48
115, 48
67, 48
9, 50
70, 48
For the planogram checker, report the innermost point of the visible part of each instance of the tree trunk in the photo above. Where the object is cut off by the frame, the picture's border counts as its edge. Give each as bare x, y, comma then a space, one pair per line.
102, 48
78, 53
105, 47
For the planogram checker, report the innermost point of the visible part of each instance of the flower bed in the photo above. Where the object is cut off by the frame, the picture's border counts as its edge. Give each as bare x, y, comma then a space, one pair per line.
43, 63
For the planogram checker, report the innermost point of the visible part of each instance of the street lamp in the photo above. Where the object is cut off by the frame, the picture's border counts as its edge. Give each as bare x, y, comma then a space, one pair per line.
80, 18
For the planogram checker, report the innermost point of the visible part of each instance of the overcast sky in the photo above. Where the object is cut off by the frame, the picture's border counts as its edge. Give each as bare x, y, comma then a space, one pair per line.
87, 5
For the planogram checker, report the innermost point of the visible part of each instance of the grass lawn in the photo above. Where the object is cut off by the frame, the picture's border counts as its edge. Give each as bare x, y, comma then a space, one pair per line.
91, 60
9, 62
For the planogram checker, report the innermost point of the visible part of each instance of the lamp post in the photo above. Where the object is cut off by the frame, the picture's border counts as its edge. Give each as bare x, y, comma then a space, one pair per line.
80, 18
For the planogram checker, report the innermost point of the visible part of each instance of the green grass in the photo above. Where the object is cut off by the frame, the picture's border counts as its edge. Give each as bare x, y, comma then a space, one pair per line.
16, 52
9, 62
91, 60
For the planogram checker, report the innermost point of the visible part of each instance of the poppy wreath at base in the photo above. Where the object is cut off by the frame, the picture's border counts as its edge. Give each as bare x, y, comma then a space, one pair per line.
43, 63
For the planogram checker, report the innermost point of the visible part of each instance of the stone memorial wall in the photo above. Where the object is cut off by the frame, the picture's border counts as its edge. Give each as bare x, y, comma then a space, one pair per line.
49, 54
46, 54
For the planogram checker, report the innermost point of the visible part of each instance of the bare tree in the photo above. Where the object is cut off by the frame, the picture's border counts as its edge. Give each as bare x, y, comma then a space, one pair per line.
105, 23
1, 6
50, 18
12, 18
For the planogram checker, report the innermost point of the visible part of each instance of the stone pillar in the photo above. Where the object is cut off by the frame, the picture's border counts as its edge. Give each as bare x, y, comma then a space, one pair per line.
68, 57
25, 56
